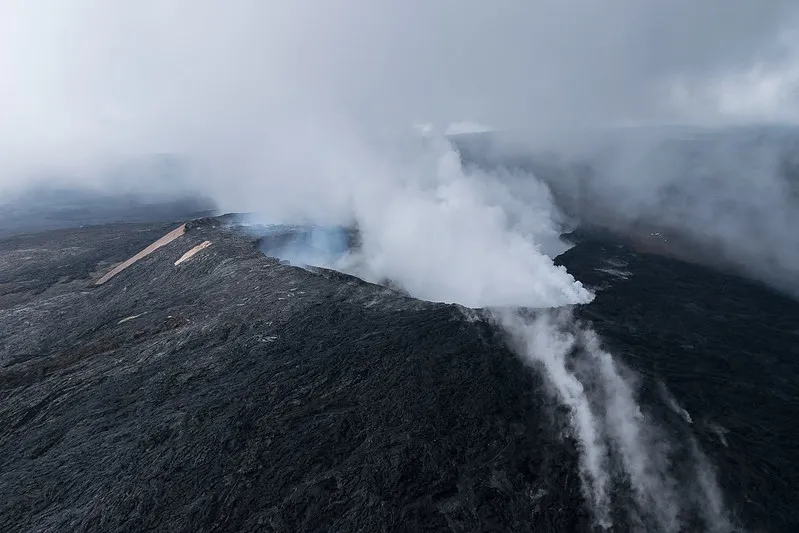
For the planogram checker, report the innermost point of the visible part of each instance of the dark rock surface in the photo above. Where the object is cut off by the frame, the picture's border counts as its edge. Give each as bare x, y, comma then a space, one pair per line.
726, 347
236, 393
246, 395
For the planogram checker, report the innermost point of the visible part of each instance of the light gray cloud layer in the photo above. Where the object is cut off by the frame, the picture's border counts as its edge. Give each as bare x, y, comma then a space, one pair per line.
88, 79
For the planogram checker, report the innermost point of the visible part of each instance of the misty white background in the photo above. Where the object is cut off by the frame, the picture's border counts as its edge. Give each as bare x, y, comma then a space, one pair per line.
246, 80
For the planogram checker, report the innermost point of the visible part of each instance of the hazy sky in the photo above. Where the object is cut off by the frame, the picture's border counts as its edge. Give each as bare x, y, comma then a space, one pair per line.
90, 77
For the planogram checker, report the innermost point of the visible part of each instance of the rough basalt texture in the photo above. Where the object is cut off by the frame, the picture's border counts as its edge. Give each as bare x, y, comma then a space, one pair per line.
233, 393
236, 393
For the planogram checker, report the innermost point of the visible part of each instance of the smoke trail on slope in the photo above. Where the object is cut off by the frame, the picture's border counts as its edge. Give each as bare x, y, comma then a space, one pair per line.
541, 341
707, 495
622, 448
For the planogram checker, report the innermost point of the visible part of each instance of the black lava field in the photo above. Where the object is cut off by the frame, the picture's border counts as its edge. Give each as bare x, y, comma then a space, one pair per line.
235, 392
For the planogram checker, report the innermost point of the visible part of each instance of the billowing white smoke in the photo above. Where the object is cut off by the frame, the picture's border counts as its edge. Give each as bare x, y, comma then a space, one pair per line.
445, 233
439, 230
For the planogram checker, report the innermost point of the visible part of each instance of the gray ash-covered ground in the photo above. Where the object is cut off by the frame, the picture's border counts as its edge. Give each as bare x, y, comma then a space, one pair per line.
236, 393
